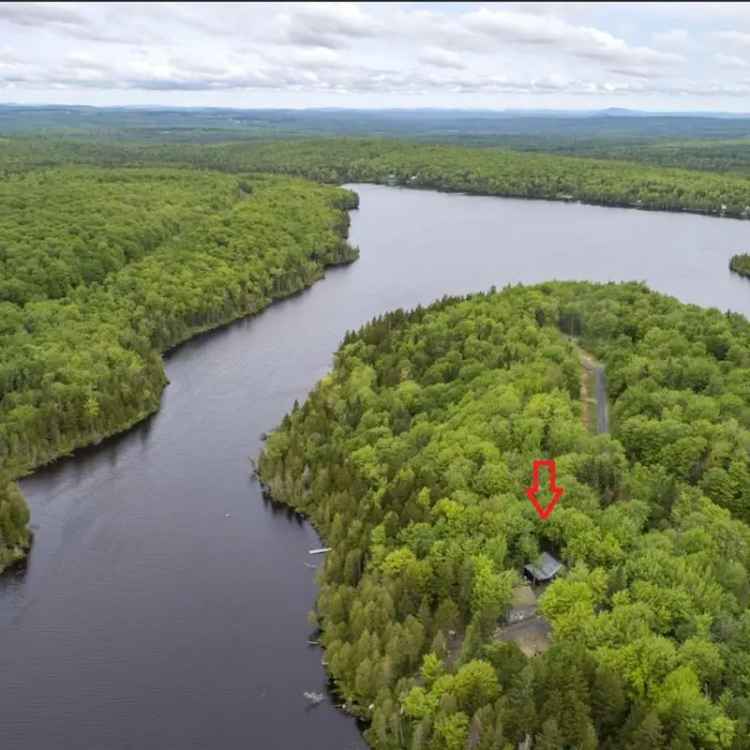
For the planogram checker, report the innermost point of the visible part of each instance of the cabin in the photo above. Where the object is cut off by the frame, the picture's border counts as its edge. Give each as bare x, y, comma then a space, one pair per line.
523, 625
543, 570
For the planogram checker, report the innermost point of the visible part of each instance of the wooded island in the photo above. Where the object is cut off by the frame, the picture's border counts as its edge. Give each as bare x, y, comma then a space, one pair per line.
740, 264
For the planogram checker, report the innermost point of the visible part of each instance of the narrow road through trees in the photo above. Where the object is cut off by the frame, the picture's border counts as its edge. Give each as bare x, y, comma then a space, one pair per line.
594, 391
602, 410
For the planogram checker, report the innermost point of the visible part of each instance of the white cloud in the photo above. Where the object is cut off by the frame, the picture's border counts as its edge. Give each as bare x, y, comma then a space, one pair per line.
739, 38
731, 61
498, 54
307, 58
65, 20
325, 24
441, 58
678, 38
580, 41
39, 14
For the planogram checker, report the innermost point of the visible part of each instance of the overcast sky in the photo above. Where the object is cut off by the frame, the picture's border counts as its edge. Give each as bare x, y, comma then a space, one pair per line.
672, 56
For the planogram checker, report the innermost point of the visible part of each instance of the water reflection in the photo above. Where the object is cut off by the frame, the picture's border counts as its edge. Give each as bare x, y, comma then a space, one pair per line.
281, 509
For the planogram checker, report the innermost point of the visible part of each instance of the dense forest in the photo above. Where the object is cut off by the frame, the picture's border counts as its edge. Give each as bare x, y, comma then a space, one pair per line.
740, 264
412, 456
103, 270
488, 171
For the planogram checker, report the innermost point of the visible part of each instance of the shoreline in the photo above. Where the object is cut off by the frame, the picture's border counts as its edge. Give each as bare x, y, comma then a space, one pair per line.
742, 216
332, 687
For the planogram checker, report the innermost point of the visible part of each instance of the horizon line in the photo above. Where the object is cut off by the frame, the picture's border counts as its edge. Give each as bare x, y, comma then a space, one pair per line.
540, 110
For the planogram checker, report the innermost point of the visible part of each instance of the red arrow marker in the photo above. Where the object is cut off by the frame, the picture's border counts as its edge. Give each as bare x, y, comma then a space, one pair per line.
533, 491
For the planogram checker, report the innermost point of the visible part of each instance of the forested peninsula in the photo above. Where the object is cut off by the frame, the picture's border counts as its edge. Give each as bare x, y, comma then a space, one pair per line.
740, 264
412, 458
475, 170
103, 270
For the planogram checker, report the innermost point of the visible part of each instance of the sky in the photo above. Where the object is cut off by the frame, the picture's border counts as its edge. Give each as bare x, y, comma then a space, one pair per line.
653, 56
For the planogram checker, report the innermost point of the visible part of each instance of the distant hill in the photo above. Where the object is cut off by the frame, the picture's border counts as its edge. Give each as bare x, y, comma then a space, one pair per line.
529, 127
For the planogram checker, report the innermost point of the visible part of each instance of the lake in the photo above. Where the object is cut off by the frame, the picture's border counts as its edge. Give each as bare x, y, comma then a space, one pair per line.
164, 604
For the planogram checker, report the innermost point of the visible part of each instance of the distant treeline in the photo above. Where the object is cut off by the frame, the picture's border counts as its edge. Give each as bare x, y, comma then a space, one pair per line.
740, 264
412, 458
709, 155
487, 171
103, 270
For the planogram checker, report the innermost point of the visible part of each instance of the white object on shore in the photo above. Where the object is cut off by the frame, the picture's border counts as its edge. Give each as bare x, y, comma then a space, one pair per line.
319, 551
314, 698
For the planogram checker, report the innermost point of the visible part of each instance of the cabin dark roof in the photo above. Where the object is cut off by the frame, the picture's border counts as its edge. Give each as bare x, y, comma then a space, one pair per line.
544, 569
